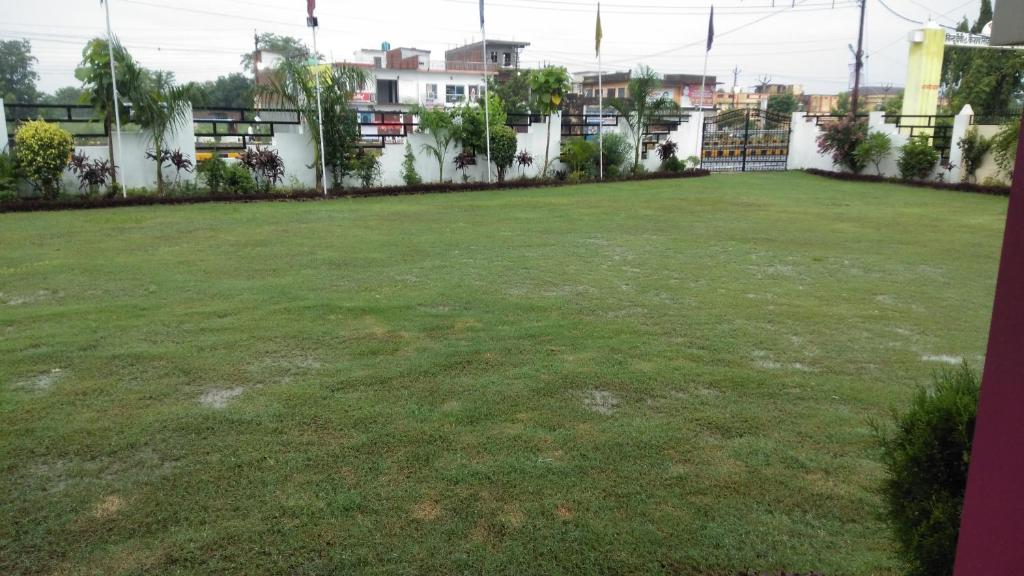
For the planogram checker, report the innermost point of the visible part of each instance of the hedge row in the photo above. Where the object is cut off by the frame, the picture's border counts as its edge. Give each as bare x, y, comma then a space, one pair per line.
956, 186
41, 205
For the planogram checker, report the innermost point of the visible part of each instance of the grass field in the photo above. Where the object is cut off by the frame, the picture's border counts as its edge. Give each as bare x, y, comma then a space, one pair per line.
669, 377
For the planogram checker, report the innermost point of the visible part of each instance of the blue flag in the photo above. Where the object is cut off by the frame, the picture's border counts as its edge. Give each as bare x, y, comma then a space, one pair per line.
481, 13
711, 27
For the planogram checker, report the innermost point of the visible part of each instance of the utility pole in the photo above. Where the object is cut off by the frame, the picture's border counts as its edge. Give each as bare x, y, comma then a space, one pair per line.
858, 63
735, 80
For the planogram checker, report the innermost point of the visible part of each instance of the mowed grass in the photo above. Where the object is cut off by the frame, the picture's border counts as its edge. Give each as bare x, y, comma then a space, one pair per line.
674, 377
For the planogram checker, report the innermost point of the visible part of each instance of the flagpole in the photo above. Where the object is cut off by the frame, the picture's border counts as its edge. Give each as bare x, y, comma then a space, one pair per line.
703, 78
707, 52
600, 98
319, 109
486, 93
117, 108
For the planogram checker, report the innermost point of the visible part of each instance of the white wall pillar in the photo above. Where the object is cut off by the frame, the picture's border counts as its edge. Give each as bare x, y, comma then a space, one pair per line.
3, 128
961, 124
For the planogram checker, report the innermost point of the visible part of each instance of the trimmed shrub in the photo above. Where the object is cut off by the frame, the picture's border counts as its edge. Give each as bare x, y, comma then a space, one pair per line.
618, 152
673, 164
238, 180
409, 174
917, 159
503, 149
579, 155
840, 140
43, 151
212, 173
873, 150
926, 459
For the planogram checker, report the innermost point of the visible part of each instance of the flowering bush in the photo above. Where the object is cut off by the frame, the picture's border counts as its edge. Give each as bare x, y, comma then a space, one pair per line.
43, 151
841, 139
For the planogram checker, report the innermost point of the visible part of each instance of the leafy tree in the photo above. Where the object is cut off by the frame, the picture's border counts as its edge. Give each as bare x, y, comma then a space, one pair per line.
641, 106
513, 89
503, 149
894, 106
409, 174
842, 106
17, 72
918, 159
548, 85
69, 95
873, 150
470, 117
293, 85
991, 81
43, 151
288, 47
783, 104
231, 91
160, 108
439, 124
97, 83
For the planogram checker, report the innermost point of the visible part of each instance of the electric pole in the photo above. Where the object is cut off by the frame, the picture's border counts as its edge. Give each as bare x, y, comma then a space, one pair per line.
858, 62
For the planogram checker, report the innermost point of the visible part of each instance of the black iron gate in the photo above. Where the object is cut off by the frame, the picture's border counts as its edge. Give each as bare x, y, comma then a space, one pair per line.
745, 141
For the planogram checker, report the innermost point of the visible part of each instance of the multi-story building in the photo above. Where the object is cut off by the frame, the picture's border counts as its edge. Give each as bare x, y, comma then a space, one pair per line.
501, 55
683, 89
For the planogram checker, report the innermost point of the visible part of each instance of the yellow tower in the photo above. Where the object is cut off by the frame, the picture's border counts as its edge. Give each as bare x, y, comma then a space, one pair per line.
924, 72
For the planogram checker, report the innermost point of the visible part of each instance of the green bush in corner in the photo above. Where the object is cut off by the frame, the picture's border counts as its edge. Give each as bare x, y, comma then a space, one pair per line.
926, 459
43, 151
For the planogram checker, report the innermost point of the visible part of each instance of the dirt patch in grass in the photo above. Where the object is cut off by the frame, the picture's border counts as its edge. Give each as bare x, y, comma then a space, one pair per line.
943, 358
564, 512
108, 507
40, 296
601, 401
41, 382
219, 398
427, 510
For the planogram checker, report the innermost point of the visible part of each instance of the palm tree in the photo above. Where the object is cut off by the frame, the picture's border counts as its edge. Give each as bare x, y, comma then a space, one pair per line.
293, 85
97, 85
160, 108
439, 124
641, 106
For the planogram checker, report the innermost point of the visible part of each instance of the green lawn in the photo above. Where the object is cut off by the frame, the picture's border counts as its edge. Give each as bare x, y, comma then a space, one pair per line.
669, 377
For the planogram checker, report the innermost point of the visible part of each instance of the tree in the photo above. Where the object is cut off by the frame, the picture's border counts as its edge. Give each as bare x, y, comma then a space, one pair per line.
97, 83
69, 95
873, 150
842, 107
439, 124
991, 81
231, 91
548, 85
470, 118
160, 108
783, 104
293, 84
503, 149
17, 72
894, 106
43, 151
514, 90
641, 106
289, 48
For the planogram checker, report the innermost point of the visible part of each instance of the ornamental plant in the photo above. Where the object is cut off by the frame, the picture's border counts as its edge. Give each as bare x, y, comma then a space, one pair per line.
409, 174
43, 151
840, 140
873, 150
974, 146
918, 159
265, 165
503, 149
91, 174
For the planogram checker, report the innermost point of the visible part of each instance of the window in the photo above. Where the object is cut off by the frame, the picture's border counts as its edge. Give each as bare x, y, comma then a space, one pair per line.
454, 94
387, 91
431, 95
507, 59
494, 57
622, 92
611, 93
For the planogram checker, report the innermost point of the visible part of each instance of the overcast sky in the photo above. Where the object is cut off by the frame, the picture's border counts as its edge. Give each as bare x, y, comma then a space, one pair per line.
201, 39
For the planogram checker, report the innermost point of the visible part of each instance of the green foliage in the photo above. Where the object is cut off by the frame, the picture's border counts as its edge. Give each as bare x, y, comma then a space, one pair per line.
43, 151
409, 174
926, 460
579, 154
291, 49
8, 174
221, 177
991, 81
293, 85
973, 146
917, 159
231, 91
265, 165
693, 162
17, 73
159, 107
470, 119
366, 167
841, 139
503, 149
617, 153
673, 164
842, 104
70, 95
439, 124
894, 106
873, 150
1004, 147
548, 86
784, 104
641, 106
513, 88
97, 82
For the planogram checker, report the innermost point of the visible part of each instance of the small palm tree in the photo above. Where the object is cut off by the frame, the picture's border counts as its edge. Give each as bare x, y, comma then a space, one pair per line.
439, 124
548, 85
293, 84
160, 108
642, 105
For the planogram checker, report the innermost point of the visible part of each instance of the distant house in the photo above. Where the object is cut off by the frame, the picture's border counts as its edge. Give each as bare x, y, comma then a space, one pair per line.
683, 89
501, 55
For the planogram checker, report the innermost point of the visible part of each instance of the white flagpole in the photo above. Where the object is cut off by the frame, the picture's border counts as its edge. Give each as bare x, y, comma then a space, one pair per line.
487, 106
319, 112
117, 110
600, 117
703, 78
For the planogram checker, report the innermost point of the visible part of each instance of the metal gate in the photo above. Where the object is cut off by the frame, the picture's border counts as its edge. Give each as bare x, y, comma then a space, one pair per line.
745, 141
